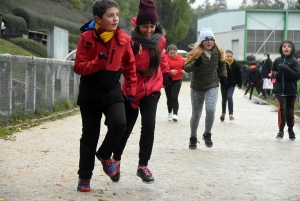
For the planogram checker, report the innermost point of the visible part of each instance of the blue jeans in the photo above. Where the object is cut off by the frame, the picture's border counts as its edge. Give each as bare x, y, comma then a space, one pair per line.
227, 93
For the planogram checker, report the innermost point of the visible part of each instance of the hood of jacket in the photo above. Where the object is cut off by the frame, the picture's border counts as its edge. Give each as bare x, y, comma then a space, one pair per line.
293, 48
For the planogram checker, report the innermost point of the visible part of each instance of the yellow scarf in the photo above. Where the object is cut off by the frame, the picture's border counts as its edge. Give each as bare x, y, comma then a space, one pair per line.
106, 35
230, 63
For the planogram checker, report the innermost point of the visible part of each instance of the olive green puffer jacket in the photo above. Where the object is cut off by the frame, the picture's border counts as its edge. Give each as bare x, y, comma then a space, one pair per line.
206, 75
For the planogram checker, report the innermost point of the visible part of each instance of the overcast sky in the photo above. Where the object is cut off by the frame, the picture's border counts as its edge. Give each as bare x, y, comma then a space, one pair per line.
231, 4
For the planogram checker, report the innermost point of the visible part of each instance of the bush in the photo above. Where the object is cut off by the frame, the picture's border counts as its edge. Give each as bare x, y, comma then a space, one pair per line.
73, 38
250, 57
14, 23
35, 21
30, 45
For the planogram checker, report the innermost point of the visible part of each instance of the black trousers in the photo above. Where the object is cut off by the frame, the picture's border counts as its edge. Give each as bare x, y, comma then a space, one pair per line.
258, 88
91, 114
148, 107
172, 93
286, 111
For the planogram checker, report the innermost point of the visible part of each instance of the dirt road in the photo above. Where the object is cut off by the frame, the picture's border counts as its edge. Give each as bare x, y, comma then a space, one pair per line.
245, 163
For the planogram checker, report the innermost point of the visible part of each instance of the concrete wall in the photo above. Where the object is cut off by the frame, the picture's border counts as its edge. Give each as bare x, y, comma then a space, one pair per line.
57, 43
233, 40
221, 21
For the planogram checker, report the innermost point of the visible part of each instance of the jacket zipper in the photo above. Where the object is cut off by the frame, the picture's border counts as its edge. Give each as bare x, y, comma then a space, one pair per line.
112, 55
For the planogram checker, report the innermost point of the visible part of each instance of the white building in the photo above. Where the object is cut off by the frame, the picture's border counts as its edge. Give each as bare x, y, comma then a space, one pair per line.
253, 31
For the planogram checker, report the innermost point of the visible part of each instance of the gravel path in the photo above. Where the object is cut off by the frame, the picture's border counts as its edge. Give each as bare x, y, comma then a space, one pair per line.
245, 163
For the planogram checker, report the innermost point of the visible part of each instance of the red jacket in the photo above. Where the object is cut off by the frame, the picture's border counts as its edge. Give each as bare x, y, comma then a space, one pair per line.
100, 73
176, 64
148, 85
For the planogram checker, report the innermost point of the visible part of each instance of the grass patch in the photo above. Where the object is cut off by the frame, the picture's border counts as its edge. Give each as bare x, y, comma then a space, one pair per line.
8, 47
31, 46
8, 127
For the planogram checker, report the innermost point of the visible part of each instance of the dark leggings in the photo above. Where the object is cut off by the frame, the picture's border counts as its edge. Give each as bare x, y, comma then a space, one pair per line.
227, 93
148, 107
172, 93
286, 111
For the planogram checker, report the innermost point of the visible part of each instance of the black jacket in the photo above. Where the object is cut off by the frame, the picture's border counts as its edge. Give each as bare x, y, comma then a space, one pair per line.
254, 75
287, 74
266, 68
234, 74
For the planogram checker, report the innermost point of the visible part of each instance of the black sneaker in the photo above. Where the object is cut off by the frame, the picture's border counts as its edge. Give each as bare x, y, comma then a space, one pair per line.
207, 139
222, 117
193, 143
145, 174
291, 134
280, 135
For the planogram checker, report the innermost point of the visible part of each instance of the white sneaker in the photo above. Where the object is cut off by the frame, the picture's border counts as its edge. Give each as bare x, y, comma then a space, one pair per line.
175, 118
170, 117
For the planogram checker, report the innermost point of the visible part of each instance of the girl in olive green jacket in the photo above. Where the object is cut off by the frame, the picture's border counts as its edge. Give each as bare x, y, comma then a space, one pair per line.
207, 63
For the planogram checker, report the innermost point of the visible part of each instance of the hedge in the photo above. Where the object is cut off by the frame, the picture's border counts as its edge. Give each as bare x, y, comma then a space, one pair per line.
14, 23
35, 21
31, 45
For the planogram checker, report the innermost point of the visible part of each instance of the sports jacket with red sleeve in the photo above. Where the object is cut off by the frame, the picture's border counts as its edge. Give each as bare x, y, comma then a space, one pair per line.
103, 71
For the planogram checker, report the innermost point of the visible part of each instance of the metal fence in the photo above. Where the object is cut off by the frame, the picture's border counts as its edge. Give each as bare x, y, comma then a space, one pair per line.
31, 85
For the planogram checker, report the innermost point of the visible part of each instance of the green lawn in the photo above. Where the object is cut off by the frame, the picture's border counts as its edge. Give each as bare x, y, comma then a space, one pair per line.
8, 47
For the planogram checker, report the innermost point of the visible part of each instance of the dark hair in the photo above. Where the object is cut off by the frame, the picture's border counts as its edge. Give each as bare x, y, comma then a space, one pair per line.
253, 63
229, 51
99, 7
172, 47
268, 55
155, 57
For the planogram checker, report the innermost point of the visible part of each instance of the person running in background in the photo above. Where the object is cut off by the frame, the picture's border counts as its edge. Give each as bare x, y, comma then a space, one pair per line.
254, 77
234, 77
152, 73
245, 76
206, 61
266, 70
286, 70
176, 63
103, 53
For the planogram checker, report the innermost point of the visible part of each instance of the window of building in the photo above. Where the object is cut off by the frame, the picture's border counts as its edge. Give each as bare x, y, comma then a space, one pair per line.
256, 38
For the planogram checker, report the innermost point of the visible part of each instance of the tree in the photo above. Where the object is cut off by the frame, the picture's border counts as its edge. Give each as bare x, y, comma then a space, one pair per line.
278, 4
244, 4
191, 37
175, 17
220, 5
262, 4
291, 4
298, 4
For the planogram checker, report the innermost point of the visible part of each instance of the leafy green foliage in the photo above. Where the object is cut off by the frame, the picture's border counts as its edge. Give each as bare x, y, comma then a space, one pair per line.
77, 4
30, 45
270, 4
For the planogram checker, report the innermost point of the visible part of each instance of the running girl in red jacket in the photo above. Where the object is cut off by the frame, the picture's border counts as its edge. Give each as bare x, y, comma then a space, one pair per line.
152, 73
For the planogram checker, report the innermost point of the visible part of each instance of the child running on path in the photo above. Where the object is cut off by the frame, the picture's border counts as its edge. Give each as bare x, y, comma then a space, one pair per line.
234, 77
103, 53
206, 62
254, 77
152, 73
286, 70
176, 63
